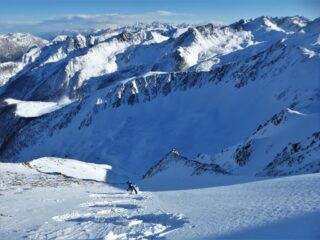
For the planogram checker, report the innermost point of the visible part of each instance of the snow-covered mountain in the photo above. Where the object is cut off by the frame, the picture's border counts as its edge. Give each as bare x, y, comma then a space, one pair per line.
241, 95
14, 46
17, 50
174, 158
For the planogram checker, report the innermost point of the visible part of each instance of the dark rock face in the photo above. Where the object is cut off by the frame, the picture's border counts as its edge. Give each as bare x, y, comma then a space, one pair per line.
290, 160
20, 133
242, 154
276, 120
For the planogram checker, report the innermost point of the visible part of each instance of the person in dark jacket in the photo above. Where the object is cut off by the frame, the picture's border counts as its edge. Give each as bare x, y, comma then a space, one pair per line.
132, 187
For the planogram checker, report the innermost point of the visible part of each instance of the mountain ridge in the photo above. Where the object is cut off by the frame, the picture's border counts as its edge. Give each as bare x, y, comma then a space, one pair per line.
136, 94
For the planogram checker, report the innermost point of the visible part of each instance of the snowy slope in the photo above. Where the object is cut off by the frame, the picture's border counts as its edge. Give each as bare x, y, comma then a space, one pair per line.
282, 208
19, 177
55, 207
57, 166
71, 168
276, 138
34, 108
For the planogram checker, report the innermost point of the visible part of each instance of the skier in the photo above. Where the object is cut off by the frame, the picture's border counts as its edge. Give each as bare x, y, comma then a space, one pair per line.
132, 187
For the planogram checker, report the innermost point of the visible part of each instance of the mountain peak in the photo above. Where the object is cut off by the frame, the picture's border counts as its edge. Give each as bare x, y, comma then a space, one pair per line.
174, 152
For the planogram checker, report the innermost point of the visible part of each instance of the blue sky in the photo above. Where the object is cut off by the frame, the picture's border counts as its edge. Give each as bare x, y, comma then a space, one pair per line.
39, 16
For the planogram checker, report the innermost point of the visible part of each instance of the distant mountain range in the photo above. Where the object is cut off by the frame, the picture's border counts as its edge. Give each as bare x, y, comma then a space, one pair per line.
244, 98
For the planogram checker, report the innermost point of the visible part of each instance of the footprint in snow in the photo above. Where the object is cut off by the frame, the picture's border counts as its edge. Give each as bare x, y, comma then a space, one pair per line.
113, 216
112, 205
110, 195
149, 226
141, 226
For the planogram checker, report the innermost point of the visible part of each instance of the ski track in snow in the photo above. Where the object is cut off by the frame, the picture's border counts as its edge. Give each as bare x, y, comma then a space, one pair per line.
277, 208
114, 215
34, 205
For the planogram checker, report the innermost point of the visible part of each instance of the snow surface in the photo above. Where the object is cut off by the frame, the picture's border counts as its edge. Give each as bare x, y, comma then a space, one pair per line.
281, 208
71, 168
30, 109
294, 112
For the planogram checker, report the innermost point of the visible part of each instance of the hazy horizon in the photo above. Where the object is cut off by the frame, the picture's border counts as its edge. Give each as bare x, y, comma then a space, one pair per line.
39, 17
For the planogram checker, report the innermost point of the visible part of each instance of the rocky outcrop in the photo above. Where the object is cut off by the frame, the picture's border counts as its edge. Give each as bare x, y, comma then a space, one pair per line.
292, 159
174, 157
242, 153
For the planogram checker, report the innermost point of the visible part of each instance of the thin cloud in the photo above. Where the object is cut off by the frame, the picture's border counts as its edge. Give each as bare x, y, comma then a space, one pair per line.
83, 22
166, 13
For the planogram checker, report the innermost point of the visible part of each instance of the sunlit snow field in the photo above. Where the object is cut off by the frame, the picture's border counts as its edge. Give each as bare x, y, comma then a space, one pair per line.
36, 205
